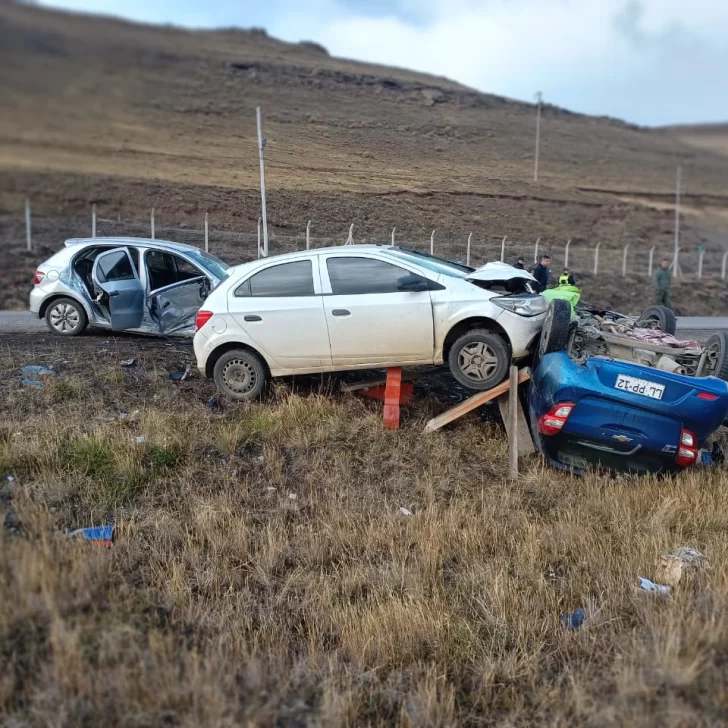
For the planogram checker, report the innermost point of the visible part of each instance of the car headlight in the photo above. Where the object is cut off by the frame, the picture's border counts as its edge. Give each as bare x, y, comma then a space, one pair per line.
522, 305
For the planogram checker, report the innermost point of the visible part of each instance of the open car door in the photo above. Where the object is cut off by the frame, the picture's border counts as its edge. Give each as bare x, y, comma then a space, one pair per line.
114, 274
174, 307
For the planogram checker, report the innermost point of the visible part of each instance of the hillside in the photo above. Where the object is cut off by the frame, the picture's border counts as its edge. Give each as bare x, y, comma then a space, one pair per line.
133, 116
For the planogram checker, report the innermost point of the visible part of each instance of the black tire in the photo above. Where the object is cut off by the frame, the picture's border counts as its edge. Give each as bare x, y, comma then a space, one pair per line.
555, 331
66, 317
660, 315
479, 359
240, 374
717, 347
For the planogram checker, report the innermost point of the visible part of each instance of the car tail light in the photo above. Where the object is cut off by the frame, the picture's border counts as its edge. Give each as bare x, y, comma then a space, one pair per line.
202, 318
552, 422
707, 395
687, 451
38, 277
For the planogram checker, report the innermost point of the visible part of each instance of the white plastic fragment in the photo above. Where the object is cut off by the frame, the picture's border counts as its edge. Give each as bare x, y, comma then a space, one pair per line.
650, 586
405, 512
11, 479
140, 439
128, 362
292, 496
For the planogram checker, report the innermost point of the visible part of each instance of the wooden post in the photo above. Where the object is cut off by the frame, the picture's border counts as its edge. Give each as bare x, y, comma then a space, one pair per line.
432, 243
513, 407
93, 220
503, 248
28, 240
596, 259
566, 253
207, 240
308, 235
467, 254
393, 229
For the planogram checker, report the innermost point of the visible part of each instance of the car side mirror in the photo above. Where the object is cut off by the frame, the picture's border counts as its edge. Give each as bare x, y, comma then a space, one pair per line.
412, 284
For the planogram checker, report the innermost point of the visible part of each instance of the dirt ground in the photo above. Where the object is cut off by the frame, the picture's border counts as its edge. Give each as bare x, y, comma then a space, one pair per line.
263, 573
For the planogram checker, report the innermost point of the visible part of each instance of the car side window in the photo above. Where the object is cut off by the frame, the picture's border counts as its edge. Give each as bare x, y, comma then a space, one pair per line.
185, 269
357, 276
115, 266
280, 281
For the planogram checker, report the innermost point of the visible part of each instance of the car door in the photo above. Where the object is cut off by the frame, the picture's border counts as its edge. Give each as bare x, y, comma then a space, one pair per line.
114, 274
281, 308
371, 319
176, 306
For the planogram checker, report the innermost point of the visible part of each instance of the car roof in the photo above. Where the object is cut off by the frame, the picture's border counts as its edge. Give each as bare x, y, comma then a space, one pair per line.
123, 240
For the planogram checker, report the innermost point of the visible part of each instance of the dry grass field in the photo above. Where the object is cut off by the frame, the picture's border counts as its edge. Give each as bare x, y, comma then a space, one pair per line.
264, 575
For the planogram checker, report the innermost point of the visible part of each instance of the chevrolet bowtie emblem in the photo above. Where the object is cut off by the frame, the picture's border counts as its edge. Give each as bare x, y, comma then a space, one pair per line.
621, 438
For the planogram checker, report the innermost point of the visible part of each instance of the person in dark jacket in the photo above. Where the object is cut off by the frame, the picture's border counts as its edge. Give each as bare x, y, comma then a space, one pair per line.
520, 263
542, 273
663, 281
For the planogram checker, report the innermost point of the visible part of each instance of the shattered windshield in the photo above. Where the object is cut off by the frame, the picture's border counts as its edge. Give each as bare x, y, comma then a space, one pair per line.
437, 265
210, 263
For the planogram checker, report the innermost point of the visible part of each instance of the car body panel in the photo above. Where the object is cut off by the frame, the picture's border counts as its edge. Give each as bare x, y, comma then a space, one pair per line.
61, 279
618, 429
369, 329
175, 306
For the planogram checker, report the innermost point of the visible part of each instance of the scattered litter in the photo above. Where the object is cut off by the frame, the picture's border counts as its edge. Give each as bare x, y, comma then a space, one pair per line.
99, 535
105, 342
705, 458
405, 512
213, 404
181, 376
39, 371
260, 458
650, 586
123, 414
672, 567
11, 479
271, 488
128, 362
36, 383
573, 620
140, 439
292, 496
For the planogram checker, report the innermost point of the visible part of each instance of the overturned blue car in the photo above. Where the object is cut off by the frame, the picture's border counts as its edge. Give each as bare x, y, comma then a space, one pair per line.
619, 415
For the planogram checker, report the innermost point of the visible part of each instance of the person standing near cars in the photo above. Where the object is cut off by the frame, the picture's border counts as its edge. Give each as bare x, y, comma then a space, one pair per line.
663, 281
542, 273
520, 263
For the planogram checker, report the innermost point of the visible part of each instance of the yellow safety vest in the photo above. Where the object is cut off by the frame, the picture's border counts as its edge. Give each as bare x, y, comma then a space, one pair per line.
564, 279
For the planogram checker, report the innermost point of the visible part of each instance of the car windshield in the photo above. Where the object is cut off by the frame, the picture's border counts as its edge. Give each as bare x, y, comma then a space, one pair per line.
437, 265
210, 263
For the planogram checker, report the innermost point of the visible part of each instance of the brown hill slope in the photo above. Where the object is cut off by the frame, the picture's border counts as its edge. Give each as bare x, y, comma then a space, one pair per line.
133, 116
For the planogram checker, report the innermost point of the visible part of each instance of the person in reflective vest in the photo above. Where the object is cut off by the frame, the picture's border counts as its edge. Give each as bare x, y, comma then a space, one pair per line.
566, 290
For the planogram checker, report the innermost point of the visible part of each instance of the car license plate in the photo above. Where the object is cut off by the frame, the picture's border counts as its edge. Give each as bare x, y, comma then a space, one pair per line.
639, 386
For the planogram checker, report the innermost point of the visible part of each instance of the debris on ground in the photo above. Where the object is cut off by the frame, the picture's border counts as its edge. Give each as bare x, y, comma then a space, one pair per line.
128, 362
292, 496
140, 439
35, 383
11, 479
650, 586
684, 562
32, 372
99, 535
181, 376
573, 620
213, 404
405, 511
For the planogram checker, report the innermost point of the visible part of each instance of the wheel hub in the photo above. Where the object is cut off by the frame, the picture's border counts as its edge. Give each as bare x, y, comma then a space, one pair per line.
239, 375
477, 361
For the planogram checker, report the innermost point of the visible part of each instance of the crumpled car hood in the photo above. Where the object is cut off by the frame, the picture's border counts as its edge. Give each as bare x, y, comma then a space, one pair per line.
498, 271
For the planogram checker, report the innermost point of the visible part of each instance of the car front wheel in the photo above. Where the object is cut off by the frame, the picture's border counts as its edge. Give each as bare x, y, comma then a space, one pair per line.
479, 359
240, 374
66, 317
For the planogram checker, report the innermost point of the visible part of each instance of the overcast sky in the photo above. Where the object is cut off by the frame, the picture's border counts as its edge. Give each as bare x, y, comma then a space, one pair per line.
647, 61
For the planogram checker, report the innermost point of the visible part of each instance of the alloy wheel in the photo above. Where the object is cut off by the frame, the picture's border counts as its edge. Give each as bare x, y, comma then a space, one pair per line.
477, 361
64, 318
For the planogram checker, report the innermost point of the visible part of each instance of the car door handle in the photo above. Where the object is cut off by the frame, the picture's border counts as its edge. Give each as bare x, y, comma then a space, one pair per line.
340, 312
252, 317
113, 293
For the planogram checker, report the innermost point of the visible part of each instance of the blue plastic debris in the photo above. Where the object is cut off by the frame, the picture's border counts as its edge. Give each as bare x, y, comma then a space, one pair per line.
213, 404
103, 535
573, 620
39, 371
35, 383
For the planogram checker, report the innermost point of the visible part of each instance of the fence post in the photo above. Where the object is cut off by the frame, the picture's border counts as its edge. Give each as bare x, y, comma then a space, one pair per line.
153, 238
700, 264
503, 248
308, 235
649, 268
596, 259
28, 240
207, 237
467, 253
350, 239
624, 260
393, 229
93, 220
432, 243
722, 270
566, 254
259, 251
535, 251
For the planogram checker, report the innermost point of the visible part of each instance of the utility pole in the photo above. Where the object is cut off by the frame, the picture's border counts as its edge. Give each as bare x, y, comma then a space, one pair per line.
261, 145
676, 265
538, 134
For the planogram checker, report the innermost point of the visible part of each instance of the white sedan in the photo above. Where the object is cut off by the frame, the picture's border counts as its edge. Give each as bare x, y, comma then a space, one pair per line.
365, 307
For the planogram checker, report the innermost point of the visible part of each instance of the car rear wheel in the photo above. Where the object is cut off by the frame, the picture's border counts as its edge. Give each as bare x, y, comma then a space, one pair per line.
66, 317
555, 330
240, 374
717, 348
479, 359
660, 317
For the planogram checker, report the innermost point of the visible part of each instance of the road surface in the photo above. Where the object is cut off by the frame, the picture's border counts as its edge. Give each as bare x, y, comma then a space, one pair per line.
698, 327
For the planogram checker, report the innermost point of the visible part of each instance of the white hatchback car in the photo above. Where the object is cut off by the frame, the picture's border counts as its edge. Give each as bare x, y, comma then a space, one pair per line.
365, 307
